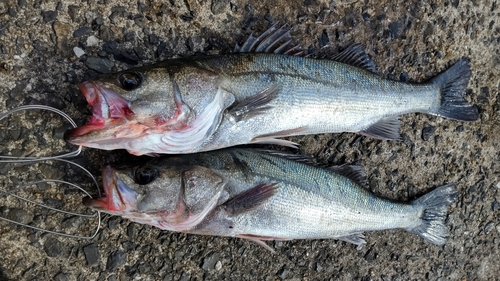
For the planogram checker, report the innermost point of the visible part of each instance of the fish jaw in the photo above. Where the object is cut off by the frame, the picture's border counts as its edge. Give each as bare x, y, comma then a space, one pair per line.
118, 198
109, 110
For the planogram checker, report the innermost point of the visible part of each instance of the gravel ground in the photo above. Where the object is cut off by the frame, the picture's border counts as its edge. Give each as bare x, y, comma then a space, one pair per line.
46, 47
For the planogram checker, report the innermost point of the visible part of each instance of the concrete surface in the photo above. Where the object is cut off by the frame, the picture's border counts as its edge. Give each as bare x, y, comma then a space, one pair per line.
47, 46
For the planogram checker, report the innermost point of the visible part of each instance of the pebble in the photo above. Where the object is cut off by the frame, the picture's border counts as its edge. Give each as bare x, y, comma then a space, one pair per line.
495, 206
427, 132
54, 248
49, 16
92, 41
82, 31
62, 31
18, 215
219, 6
489, 227
78, 52
91, 254
100, 64
115, 260
210, 261
61, 277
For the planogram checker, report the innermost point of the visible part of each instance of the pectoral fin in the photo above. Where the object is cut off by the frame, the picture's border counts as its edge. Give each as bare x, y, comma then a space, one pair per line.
273, 137
254, 105
250, 199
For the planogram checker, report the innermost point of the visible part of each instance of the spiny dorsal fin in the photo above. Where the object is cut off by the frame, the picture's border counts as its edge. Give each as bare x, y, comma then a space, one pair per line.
254, 105
274, 40
352, 172
353, 55
290, 156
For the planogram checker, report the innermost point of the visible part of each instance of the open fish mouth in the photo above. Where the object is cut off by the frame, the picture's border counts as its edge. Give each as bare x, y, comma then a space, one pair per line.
107, 106
118, 197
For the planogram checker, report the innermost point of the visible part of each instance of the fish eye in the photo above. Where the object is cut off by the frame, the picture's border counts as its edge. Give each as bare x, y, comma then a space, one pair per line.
145, 174
130, 80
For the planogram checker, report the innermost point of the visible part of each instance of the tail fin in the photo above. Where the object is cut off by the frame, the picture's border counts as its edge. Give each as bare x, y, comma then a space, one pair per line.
435, 205
453, 83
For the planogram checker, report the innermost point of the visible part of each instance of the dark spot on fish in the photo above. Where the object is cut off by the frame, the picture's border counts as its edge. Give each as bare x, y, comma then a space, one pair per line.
230, 226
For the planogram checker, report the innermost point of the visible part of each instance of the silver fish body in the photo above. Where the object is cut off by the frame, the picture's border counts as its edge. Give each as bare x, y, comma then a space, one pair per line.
260, 196
198, 104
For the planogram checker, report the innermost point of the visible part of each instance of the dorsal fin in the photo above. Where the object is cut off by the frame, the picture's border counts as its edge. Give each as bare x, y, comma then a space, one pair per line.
274, 40
353, 55
352, 172
290, 156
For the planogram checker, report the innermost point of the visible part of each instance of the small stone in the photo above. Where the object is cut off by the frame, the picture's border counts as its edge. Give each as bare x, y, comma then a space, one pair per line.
49, 16
78, 52
153, 39
92, 41
111, 47
54, 101
91, 254
131, 230
127, 58
210, 261
100, 64
324, 39
62, 32
115, 260
219, 6
489, 227
61, 277
113, 222
495, 206
427, 132
73, 12
218, 266
82, 31
18, 215
54, 248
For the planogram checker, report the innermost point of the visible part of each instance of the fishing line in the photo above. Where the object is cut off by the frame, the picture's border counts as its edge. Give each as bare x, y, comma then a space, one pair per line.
32, 203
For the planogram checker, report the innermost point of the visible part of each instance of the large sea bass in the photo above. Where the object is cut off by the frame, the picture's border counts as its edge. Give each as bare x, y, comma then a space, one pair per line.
263, 196
205, 103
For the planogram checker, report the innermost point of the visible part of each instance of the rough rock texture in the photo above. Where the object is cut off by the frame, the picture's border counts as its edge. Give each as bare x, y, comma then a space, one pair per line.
410, 41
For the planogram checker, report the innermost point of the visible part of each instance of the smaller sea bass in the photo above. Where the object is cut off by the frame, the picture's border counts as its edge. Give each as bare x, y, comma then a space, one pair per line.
198, 104
262, 196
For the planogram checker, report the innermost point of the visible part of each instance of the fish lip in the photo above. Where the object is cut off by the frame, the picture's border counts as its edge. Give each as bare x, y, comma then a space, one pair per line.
107, 107
117, 196
92, 92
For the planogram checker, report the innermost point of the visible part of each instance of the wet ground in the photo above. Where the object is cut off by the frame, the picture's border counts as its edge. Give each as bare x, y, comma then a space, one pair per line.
46, 47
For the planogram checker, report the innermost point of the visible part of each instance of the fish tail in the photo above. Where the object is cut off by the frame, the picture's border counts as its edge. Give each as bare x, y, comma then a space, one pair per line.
435, 207
452, 84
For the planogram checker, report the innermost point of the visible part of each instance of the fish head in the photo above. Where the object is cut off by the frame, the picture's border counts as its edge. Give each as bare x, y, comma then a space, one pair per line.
168, 196
131, 106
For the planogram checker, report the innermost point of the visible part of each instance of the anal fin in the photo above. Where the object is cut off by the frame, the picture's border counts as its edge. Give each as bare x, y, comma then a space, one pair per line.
357, 239
254, 105
250, 199
386, 129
